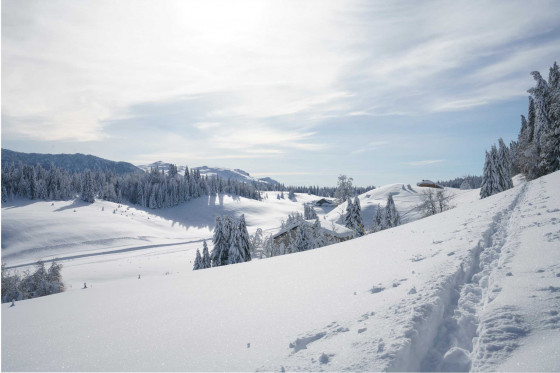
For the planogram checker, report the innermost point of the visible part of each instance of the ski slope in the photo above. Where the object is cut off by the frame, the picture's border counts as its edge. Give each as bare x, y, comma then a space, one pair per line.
473, 288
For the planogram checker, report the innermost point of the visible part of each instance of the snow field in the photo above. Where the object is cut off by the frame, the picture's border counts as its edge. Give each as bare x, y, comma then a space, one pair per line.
408, 298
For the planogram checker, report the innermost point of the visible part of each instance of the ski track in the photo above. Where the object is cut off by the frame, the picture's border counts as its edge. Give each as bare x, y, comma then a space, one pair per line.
451, 333
117, 251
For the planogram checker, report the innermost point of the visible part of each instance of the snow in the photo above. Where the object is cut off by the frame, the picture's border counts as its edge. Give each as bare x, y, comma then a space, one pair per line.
433, 294
406, 200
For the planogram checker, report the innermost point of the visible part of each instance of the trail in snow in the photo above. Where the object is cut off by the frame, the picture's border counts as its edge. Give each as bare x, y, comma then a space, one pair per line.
118, 251
452, 348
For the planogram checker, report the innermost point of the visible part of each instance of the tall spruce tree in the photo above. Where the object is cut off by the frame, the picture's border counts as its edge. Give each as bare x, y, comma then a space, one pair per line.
378, 220
357, 218
197, 261
206, 262
392, 217
221, 243
349, 216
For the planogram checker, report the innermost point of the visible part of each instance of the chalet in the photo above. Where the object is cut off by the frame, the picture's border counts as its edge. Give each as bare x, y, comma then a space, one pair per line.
323, 202
429, 184
339, 234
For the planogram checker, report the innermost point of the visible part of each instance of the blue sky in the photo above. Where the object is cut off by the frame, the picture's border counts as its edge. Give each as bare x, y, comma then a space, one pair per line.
300, 91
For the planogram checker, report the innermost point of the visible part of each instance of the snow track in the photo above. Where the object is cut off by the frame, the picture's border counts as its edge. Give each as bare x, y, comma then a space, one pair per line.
448, 334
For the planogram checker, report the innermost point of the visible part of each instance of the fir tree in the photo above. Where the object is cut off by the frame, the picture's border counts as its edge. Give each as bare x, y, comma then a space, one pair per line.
220, 240
504, 166
349, 216
486, 187
197, 261
392, 217
357, 218
378, 220
206, 262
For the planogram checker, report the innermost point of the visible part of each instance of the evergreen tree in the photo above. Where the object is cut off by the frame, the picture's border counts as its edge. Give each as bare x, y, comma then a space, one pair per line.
357, 218
486, 187
244, 240
378, 223
220, 240
197, 261
392, 217
504, 166
206, 262
88, 192
349, 216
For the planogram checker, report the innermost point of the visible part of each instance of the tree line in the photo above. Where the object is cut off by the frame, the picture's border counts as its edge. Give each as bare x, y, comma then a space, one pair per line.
537, 150
154, 189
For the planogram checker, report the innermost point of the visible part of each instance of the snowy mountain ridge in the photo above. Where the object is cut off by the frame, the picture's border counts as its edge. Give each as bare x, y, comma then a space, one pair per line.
70, 162
226, 173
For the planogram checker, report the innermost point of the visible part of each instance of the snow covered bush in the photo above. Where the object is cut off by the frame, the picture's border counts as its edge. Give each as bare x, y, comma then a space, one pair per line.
32, 285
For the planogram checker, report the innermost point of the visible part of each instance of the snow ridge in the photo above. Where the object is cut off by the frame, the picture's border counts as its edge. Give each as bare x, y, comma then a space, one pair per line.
444, 333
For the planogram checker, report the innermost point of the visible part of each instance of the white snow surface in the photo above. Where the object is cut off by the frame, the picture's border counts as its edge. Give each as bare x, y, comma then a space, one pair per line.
473, 288
406, 200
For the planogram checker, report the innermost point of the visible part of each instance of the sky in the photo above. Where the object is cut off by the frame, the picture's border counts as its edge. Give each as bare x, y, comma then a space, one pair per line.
300, 91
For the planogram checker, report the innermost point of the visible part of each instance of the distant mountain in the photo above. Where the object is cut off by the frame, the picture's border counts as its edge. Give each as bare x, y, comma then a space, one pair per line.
70, 162
225, 173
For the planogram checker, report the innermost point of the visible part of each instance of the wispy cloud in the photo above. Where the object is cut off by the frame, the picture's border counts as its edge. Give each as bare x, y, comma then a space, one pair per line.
74, 82
424, 163
207, 125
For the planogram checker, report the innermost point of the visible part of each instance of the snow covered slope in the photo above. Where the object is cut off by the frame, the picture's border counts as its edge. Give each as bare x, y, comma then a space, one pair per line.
94, 239
475, 288
406, 198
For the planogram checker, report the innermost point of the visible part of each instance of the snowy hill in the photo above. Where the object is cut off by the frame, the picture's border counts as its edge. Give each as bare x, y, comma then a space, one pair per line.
70, 162
33, 230
225, 173
406, 198
475, 288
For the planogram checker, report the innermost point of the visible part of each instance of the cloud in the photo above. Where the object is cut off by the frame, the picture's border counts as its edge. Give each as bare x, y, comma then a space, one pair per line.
207, 125
371, 146
424, 163
71, 69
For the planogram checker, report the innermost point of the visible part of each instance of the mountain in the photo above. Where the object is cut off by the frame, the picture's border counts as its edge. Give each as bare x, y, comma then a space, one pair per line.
473, 288
70, 162
224, 173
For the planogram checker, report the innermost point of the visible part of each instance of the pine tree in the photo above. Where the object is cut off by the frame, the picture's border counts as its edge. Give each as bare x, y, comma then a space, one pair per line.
244, 239
349, 216
197, 261
504, 166
486, 187
357, 218
220, 240
235, 254
88, 192
392, 217
206, 262
378, 220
